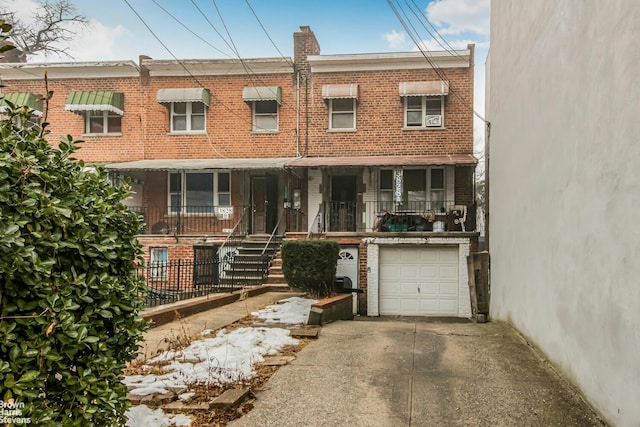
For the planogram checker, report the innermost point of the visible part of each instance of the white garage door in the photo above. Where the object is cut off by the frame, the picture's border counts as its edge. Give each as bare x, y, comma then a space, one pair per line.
419, 281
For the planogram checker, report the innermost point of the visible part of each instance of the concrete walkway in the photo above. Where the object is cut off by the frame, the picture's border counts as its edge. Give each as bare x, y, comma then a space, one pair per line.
417, 372
163, 337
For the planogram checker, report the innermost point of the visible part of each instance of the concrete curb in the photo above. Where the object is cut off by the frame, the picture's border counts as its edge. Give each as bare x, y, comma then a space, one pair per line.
168, 313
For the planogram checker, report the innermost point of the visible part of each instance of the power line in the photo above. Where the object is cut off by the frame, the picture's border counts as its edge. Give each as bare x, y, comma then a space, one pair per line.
266, 33
189, 29
428, 58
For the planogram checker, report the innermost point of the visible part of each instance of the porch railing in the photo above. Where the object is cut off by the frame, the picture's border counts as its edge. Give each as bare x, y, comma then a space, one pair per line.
189, 220
390, 216
229, 248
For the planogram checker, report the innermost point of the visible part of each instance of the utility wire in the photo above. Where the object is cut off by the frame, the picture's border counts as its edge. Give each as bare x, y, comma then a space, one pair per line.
428, 58
439, 39
266, 33
189, 29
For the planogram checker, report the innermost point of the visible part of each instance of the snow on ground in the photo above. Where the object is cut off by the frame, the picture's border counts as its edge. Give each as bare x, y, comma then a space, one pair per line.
143, 416
292, 310
226, 358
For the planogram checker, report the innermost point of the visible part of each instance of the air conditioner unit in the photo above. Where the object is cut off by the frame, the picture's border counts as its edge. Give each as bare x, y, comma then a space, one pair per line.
434, 120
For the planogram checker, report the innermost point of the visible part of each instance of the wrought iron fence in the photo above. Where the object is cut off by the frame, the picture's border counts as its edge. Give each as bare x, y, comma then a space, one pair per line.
182, 279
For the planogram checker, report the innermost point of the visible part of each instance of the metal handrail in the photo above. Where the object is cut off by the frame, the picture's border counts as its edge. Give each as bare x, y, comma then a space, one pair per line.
233, 233
316, 222
275, 229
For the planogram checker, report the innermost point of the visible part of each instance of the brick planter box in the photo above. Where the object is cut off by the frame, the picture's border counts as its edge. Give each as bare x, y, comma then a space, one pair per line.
330, 309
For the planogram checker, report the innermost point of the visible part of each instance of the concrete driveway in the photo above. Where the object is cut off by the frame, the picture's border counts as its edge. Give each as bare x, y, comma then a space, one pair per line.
417, 372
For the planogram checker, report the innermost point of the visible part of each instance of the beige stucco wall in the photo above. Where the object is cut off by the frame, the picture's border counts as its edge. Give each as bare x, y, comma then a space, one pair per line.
565, 189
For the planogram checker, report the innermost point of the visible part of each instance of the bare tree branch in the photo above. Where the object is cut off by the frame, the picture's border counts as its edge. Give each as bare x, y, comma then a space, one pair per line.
52, 26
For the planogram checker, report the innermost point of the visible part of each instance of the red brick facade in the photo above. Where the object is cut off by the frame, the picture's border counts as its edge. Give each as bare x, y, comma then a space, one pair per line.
303, 122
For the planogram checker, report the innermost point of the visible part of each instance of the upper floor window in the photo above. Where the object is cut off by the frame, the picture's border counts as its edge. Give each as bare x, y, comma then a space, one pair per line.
265, 102
23, 99
342, 114
102, 110
265, 116
102, 122
424, 103
198, 192
424, 111
187, 117
341, 100
187, 108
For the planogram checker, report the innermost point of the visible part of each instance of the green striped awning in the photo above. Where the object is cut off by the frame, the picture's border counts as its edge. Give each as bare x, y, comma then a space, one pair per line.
262, 93
81, 101
183, 95
18, 99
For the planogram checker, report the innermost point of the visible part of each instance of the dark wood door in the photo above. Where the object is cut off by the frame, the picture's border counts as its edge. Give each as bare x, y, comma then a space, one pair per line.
343, 203
264, 196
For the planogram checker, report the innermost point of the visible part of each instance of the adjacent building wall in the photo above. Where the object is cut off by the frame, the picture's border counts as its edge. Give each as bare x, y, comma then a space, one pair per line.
565, 189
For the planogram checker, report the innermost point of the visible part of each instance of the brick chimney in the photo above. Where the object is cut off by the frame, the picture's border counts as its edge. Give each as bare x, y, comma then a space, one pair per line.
304, 44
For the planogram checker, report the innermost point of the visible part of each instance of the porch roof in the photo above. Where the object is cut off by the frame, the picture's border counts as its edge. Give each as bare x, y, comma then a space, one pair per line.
196, 164
359, 161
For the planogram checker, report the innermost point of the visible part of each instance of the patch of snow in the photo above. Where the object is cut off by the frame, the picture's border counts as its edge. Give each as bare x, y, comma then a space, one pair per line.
291, 311
143, 416
186, 396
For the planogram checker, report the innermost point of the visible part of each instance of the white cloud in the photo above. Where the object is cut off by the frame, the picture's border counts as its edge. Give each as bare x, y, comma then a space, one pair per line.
460, 16
94, 41
395, 39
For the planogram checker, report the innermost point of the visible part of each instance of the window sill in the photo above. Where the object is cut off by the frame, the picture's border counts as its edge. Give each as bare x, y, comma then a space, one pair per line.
186, 132
423, 128
265, 132
341, 130
93, 135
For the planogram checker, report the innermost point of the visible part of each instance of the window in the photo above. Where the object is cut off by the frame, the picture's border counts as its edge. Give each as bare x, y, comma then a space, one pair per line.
424, 111
187, 117
422, 189
342, 113
436, 187
198, 192
265, 116
102, 122
158, 259
385, 196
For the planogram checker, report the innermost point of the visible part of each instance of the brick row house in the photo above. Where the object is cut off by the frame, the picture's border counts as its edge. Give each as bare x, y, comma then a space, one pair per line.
372, 150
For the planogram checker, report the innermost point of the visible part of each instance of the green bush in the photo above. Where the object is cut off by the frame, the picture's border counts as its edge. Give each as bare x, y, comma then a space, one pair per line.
311, 265
69, 292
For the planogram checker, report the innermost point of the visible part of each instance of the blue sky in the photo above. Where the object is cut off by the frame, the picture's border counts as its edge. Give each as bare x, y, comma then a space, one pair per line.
341, 26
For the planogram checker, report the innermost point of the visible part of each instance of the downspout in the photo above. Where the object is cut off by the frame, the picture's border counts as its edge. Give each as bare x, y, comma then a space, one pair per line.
306, 110
298, 114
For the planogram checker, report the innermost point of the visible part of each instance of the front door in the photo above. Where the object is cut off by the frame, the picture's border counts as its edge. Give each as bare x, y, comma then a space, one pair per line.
348, 266
264, 196
343, 203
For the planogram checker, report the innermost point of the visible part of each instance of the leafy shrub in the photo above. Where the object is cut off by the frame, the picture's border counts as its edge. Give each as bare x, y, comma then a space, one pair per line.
311, 265
69, 293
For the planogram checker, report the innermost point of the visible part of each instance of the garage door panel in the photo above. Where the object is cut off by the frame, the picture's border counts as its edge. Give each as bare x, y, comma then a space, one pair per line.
418, 281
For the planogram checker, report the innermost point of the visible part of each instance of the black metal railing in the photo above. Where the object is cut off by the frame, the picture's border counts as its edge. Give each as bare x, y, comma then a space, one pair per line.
181, 279
189, 220
391, 216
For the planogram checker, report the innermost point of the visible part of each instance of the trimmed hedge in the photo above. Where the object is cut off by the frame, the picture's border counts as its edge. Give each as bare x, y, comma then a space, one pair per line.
311, 265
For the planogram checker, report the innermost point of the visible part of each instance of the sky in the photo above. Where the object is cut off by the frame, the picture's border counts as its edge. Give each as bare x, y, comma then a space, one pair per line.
198, 29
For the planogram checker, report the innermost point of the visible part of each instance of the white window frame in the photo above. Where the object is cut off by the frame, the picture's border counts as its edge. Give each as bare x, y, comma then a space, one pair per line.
423, 109
158, 261
256, 116
217, 195
351, 112
188, 115
105, 122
